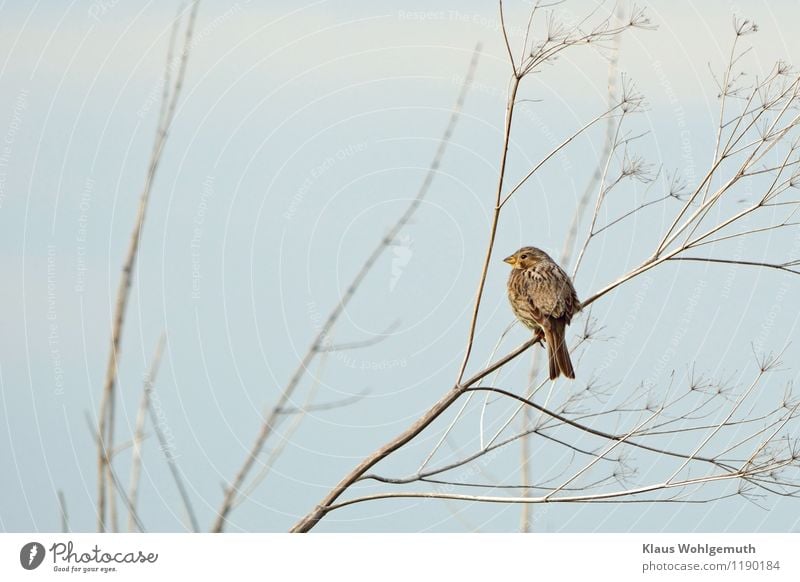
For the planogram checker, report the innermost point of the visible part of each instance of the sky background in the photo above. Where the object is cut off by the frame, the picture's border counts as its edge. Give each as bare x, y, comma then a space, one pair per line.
302, 133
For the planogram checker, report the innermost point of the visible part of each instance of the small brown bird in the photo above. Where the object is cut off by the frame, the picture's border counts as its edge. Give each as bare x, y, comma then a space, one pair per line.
543, 298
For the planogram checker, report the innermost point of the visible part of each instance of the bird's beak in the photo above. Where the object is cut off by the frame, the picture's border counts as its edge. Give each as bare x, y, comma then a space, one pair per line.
510, 260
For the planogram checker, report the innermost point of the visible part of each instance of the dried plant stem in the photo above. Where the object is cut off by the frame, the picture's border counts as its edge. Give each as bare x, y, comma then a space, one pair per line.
718, 427
138, 435
723, 98
525, 525
555, 44
567, 252
319, 344
600, 196
326, 505
114, 480
286, 437
173, 469
583, 203
62, 509
557, 419
512, 96
757, 131
585, 498
106, 413
580, 131
312, 518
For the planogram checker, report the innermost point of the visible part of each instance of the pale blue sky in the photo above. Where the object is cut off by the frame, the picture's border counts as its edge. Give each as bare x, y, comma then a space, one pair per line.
302, 132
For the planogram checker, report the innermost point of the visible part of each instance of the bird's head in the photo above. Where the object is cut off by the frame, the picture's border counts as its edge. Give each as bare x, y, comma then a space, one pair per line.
526, 257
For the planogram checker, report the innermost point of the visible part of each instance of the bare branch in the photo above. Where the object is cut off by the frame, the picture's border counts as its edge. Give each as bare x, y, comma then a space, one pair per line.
586, 498
114, 480
318, 344
106, 412
62, 509
366, 343
173, 469
138, 435
759, 460
780, 266
505, 38
340, 403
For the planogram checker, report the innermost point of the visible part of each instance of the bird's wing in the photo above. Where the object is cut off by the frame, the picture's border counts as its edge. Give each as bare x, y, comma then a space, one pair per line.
550, 291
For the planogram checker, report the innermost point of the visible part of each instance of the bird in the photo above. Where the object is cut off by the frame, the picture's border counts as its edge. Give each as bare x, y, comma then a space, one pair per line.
543, 298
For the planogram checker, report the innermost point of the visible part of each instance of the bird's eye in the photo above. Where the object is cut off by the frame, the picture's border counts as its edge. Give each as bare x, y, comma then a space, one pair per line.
523, 256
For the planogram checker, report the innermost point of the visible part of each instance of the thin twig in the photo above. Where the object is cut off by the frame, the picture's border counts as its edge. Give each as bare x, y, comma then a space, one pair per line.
473, 323
778, 266
173, 468
580, 131
544, 53
62, 509
332, 405
505, 38
138, 435
312, 518
106, 412
601, 193
286, 437
763, 466
587, 429
320, 341
113, 479
566, 257
359, 344
586, 498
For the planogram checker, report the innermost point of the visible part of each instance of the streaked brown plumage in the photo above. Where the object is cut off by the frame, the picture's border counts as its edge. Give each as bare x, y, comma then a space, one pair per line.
543, 298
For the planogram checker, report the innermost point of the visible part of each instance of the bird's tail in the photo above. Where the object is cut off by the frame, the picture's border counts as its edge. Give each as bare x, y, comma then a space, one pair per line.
557, 352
